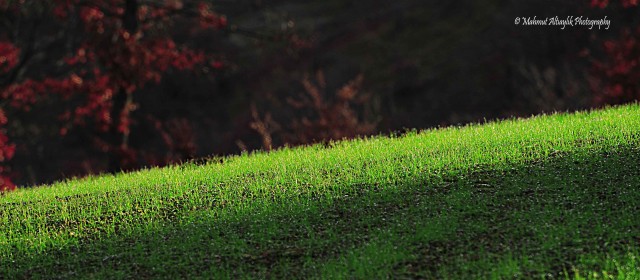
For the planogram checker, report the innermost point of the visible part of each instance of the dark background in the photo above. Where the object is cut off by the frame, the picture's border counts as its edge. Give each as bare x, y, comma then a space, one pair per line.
422, 64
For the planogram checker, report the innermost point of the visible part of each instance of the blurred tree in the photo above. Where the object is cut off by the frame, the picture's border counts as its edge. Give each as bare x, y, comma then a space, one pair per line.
8, 60
616, 65
316, 116
92, 57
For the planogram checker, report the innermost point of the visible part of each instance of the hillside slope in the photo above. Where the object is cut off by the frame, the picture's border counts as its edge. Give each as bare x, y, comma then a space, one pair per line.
551, 195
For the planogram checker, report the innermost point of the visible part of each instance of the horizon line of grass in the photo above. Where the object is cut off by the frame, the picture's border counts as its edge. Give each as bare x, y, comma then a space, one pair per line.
527, 139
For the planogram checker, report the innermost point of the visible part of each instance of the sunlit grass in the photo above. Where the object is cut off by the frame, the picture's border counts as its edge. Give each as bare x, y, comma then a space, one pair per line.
548, 196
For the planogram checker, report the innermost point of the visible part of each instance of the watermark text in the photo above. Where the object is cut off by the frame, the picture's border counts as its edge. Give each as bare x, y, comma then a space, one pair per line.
562, 23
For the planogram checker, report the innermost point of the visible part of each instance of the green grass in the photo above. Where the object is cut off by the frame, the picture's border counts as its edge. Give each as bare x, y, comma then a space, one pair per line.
555, 197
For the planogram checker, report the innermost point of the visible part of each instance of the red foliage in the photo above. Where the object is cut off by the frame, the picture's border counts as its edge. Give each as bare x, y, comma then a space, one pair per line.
8, 59
8, 56
6, 184
619, 72
617, 75
604, 3
124, 46
6, 153
209, 19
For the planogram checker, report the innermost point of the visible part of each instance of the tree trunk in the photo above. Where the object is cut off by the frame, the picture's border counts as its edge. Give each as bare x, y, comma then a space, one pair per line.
121, 99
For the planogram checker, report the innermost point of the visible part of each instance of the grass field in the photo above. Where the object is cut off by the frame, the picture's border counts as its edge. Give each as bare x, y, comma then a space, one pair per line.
555, 197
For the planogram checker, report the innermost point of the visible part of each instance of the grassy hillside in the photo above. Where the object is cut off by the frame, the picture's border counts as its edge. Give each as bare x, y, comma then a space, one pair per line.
550, 196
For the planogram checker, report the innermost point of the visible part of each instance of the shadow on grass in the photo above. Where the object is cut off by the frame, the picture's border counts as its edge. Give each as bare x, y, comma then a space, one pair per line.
530, 221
